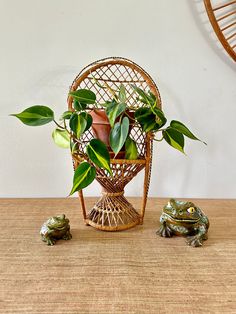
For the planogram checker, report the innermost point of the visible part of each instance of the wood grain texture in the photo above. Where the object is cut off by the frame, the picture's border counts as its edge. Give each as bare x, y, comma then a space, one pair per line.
132, 271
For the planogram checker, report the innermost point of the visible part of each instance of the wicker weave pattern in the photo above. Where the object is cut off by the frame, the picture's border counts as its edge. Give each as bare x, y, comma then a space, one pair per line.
113, 211
222, 15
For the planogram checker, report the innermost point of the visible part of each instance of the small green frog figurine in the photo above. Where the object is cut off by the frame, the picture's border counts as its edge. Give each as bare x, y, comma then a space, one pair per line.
55, 228
186, 219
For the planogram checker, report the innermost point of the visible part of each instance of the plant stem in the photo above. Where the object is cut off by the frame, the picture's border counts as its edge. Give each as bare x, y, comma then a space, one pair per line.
76, 140
160, 130
65, 127
158, 140
61, 127
131, 118
111, 91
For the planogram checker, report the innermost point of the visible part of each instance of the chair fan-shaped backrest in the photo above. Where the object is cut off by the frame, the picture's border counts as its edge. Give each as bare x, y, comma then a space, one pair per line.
115, 71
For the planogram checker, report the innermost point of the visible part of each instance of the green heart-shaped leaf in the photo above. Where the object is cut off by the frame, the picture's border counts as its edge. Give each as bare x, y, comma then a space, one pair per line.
179, 126
35, 116
98, 153
73, 146
160, 117
152, 98
150, 126
174, 138
131, 151
78, 124
88, 119
145, 98
78, 106
148, 120
113, 110
83, 176
119, 135
84, 96
122, 94
61, 138
144, 115
66, 115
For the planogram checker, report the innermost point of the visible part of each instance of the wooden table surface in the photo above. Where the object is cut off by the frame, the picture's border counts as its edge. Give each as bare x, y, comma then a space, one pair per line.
131, 271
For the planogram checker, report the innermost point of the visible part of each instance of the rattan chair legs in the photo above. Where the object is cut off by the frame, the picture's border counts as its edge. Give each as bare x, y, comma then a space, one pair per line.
113, 212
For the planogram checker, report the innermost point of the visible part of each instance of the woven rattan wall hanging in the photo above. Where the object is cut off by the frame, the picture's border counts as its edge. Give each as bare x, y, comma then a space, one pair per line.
223, 20
113, 211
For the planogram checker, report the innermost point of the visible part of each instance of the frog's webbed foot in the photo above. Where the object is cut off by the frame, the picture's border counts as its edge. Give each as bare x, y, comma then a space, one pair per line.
50, 241
195, 241
164, 231
67, 236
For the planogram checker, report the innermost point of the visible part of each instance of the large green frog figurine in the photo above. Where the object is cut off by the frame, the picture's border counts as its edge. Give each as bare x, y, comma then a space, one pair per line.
55, 228
186, 219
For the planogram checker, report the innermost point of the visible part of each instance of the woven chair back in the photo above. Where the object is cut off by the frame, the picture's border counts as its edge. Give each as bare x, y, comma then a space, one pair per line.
115, 71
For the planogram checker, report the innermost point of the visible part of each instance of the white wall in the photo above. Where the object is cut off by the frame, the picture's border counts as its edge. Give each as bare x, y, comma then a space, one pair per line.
44, 44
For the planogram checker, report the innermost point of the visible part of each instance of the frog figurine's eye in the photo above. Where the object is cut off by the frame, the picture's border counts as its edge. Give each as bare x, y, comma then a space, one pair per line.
191, 210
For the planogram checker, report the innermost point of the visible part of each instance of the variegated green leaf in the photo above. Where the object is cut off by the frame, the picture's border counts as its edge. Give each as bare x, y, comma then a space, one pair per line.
84, 96
148, 120
78, 106
179, 126
61, 138
144, 96
83, 176
35, 115
66, 115
73, 147
88, 118
114, 110
119, 135
122, 94
174, 138
131, 151
99, 155
78, 124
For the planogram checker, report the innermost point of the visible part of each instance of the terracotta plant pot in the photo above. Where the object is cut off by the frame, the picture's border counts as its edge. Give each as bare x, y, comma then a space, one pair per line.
101, 127
101, 130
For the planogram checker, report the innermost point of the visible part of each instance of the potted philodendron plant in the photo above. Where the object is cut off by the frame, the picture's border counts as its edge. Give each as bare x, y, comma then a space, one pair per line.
111, 123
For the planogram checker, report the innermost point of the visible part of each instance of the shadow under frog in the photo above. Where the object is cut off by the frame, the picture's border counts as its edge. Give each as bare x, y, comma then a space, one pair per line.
185, 219
55, 228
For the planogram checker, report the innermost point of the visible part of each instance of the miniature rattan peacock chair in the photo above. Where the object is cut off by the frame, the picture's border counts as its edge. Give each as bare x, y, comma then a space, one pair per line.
113, 211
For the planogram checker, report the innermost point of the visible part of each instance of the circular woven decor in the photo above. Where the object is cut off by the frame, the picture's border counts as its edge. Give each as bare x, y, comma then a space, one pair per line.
222, 15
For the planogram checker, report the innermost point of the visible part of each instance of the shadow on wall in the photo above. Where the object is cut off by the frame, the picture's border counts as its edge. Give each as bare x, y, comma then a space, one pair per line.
201, 19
